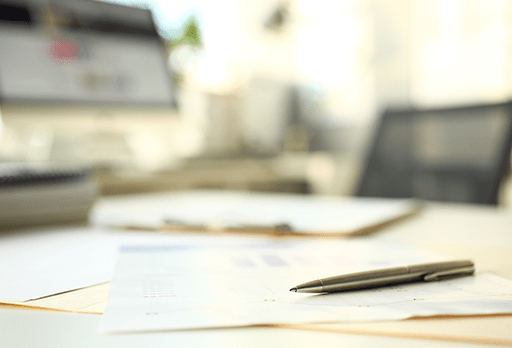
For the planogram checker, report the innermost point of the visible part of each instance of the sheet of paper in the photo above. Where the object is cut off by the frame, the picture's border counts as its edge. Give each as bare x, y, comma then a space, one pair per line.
170, 288
313, 214
89, 300
42, 262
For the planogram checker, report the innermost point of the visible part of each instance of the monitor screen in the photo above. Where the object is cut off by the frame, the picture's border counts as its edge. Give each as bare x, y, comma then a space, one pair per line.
81, 51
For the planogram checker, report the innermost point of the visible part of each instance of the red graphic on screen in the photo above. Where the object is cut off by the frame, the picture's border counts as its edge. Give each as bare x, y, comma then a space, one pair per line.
64, 50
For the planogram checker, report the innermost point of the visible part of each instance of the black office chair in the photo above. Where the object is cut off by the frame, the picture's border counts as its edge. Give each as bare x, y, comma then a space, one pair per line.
457, 154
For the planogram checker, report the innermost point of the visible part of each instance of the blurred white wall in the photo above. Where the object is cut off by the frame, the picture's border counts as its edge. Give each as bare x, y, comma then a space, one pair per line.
363, 54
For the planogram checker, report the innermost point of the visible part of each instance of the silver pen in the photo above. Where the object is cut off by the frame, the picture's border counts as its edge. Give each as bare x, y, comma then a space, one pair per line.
389, 276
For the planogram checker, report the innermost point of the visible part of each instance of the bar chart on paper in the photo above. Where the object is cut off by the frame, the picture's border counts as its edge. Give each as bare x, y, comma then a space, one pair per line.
177, 287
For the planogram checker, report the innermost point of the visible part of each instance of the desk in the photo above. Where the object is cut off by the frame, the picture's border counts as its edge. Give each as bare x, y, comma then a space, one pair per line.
483, 234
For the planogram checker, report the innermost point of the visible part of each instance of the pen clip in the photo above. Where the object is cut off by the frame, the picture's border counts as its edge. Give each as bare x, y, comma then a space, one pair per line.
450, 273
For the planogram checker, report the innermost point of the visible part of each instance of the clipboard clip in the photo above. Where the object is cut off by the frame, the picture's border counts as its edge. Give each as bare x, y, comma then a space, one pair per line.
276, 229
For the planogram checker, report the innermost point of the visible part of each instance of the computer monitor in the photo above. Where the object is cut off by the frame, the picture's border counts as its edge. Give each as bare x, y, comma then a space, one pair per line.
84, 80
81, 52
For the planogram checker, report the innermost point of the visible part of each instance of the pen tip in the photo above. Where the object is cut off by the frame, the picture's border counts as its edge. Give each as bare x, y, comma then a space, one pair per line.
293, 289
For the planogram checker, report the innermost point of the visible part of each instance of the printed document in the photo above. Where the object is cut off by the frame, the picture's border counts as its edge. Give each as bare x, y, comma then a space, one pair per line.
173, 287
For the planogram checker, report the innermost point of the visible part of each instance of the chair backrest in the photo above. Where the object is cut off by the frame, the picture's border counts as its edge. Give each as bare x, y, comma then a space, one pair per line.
456, 154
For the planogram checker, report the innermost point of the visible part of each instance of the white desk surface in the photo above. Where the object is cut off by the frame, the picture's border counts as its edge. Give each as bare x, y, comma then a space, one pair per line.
43, 329
483, 234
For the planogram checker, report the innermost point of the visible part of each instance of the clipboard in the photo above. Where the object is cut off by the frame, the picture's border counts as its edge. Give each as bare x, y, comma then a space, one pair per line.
277, 215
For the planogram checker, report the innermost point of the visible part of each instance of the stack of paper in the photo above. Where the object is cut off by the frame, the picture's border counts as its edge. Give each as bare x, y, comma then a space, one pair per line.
173, 287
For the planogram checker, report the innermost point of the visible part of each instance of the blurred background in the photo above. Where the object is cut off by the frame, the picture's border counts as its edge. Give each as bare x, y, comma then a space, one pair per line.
267, 95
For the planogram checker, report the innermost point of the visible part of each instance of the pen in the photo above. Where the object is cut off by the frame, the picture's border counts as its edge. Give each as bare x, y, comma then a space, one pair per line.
389, 276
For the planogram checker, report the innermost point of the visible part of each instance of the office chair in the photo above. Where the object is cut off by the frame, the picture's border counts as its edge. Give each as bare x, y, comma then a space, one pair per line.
456, 154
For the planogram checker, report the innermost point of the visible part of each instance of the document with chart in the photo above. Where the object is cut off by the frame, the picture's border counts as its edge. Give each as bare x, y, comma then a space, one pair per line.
175, 287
